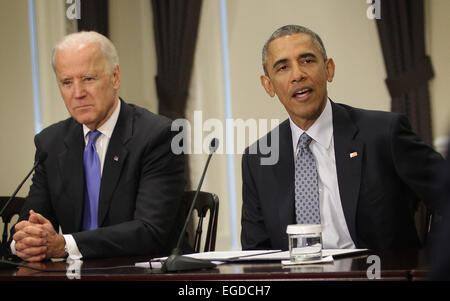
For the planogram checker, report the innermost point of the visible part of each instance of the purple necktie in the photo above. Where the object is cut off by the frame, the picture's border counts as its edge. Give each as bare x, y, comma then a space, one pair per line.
92, 180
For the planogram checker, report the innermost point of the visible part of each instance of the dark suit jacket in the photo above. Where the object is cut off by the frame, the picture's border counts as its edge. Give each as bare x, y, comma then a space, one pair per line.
439, 250
140, 209
378, 187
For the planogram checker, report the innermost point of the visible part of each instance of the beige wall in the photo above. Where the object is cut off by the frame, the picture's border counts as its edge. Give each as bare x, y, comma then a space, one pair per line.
16, 105
131, 30
51, 26
350, 38
437, 24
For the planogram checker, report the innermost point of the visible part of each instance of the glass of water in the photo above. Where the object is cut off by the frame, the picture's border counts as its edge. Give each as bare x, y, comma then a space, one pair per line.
305, 242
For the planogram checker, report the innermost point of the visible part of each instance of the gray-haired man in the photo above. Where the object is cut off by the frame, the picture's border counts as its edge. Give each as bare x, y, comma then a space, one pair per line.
110, 180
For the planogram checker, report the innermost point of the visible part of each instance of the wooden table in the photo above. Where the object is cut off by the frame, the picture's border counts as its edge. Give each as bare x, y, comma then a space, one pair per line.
401, 266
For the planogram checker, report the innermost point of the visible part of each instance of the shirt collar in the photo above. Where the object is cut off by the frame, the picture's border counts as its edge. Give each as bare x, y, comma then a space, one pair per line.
320, 131
108, 127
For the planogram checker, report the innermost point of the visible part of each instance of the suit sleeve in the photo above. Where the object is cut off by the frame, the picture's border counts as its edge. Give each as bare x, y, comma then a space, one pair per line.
417, 164
254, 234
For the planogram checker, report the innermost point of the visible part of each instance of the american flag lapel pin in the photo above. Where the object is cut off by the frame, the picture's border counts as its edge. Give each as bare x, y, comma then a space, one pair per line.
353, 155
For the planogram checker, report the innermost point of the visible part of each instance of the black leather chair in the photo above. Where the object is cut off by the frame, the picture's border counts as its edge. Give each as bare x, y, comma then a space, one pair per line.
206, 201
13, 208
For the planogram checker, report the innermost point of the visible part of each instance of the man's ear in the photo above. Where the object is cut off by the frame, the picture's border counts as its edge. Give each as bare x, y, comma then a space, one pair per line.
330, 69
116, 77
267, 84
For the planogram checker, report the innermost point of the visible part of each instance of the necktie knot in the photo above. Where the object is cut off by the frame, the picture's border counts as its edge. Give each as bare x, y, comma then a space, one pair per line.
93, 136
304, 141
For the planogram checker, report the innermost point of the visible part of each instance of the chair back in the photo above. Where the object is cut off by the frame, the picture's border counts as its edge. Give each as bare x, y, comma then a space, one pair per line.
13, 208
206, 201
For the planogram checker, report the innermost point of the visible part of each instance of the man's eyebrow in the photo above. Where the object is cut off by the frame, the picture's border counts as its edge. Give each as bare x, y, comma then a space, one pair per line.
307, 54
278, 62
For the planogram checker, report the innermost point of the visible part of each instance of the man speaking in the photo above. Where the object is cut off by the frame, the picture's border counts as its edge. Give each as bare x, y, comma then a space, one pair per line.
356, 172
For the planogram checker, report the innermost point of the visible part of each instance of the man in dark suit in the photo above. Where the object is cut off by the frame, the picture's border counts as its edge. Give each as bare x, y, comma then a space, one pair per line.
136, 206
371, 168
439, 250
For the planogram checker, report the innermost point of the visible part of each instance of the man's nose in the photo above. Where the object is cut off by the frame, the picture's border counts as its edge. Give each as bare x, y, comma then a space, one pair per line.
297, 73
79, 90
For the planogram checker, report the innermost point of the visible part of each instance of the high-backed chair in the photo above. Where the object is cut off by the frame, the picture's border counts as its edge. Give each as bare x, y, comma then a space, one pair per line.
206, 201
13, 208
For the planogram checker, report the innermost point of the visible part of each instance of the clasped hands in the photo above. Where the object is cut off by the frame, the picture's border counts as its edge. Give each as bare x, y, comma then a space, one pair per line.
36, 239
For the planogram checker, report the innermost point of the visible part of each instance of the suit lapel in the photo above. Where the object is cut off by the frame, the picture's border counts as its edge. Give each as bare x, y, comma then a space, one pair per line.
284, 174
114, 159
349, 154
72, 172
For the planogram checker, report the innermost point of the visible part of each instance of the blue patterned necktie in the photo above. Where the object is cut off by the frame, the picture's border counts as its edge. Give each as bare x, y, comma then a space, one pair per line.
92, 180
306, 184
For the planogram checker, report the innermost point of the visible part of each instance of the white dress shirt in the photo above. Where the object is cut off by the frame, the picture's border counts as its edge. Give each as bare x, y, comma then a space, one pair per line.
335, 234
101, 146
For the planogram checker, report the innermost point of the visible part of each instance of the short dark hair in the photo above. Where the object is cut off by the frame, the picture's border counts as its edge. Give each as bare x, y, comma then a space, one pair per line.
288, 30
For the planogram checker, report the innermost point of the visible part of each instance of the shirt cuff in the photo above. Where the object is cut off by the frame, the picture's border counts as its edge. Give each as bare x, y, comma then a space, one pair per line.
12, 246
71, 247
